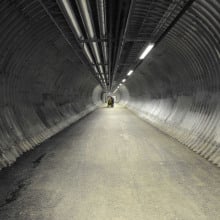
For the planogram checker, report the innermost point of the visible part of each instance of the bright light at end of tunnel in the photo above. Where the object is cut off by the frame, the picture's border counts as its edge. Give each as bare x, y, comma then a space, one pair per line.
124, 80
146, 51
130, 72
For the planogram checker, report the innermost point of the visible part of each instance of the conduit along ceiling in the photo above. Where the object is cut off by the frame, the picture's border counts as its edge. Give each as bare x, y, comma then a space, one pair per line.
110, 35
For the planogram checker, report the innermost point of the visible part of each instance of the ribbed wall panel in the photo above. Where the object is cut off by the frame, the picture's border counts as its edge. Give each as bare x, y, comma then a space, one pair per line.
44, 87
177, 87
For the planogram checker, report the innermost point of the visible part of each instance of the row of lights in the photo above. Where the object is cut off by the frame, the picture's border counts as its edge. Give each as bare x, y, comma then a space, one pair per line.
142, 56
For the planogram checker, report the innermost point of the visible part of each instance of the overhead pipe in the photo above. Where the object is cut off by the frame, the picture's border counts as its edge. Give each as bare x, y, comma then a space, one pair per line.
102, 25
66, 8
89, 27
132, 2
69, 14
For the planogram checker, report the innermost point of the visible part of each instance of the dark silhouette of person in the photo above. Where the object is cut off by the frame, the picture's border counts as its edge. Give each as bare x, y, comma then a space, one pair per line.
113, 102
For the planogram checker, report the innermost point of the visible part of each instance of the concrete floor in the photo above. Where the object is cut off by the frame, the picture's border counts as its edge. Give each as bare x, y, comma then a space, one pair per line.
110, 166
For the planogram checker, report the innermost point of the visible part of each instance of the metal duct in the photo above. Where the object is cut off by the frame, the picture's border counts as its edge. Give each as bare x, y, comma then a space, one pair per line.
87, 20
102, 24
66, 7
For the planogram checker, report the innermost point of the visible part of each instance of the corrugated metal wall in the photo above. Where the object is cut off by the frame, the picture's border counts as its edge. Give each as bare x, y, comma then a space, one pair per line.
44, 87
177, 87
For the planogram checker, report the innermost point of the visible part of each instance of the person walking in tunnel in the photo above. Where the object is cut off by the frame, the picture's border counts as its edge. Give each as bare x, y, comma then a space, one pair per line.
113, 102
109, 101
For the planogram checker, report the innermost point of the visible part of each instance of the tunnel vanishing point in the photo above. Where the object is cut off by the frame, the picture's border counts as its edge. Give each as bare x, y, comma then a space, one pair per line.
60, 60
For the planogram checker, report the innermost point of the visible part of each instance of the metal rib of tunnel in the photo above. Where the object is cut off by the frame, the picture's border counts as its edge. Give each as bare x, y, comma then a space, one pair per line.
58, 58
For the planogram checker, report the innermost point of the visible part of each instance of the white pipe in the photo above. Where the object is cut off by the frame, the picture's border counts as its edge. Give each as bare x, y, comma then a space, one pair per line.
86, 49
95, 47
69, 13
102, 16
66, 6
101, 69
103, 27
87, 22
87, 19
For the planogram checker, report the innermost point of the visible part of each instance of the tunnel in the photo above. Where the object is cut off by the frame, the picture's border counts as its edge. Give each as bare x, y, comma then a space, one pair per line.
60, 61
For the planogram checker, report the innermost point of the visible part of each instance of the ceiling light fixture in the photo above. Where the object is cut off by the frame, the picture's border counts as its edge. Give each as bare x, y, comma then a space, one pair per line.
146, 51
124, 80
115, 90
130, 72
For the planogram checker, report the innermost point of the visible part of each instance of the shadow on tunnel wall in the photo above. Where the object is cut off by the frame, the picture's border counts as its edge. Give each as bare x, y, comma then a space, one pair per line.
44, 86
177, 88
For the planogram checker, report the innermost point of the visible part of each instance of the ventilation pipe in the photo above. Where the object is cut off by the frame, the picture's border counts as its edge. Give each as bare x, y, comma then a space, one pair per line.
83, 8
66, 8
102, 25
69, 14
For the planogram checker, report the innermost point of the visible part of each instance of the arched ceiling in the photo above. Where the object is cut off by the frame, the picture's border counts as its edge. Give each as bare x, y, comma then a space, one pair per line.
107, 35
